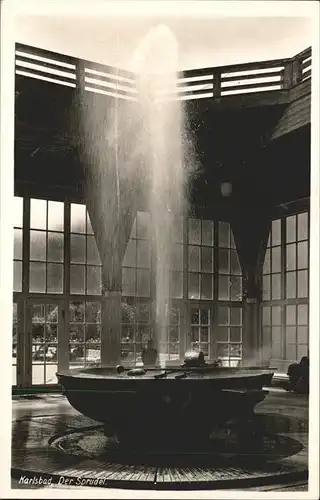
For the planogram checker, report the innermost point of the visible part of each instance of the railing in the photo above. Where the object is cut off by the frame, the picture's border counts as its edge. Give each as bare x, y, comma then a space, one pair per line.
192, 84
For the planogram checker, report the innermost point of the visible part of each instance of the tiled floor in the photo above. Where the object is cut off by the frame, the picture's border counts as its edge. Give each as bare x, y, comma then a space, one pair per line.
287, 411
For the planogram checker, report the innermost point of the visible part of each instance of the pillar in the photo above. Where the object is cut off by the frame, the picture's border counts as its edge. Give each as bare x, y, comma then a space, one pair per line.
250, 229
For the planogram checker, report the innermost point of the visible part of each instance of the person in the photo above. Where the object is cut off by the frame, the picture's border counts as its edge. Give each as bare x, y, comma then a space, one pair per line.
149, 354
298, 374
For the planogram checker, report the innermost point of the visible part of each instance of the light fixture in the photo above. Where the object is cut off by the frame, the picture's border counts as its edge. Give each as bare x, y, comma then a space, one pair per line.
226, 188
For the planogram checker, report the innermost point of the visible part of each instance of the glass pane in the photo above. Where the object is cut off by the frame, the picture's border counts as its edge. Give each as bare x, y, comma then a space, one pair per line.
303, 335
51, 370
178, 229
234, 263
127, 333
276, 286
38, 242
55, 215
302, 350
51, 313
204, 334
76, 312
93, 312
235, 334
291, 257
204, 316
303, 226
89, 225
266, 287
130, 255
303, 255
92, 332
194, 231
291, 352
222, 350
194, 292
236, 316
54, 278
276, 315
175, 316
18, 211
93, 280
222, 332
51, 332
17, 244
143, 312
177, 257
291, 335
276, 232
128, 281
143, 219
303, 318
235, 288
93, 352
38, 214
55, 247
133, 233
195, 335
38, 335
276, 334
303, 284
206, 260
78, 218
17, 276
266, 316
207, 232
176, 285
143, 283
276, 260
291, 317
224, 261
93, 256
143, 334
206, 286
38, 374
276, 350
143, 254
76, 353
266, 264
224, 234
37, 278
291, 235
76, 333
195, 316
194, 258
223, 315
77, 279
223, 288
291, 285
78, 249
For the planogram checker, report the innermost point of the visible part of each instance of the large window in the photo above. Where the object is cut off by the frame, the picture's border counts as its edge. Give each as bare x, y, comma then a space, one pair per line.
60, 257
46, 246
85, 264
14, 342
17, 255
285, 322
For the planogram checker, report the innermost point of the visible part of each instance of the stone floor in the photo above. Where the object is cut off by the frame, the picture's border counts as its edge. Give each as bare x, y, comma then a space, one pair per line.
289, 412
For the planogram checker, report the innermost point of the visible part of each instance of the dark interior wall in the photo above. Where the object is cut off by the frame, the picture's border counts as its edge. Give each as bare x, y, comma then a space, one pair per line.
229, 145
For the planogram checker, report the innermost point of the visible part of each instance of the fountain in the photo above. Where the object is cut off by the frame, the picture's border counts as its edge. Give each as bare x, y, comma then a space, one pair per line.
162, 407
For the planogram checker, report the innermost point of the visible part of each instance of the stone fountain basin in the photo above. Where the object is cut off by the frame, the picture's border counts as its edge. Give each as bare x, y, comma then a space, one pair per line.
144, 409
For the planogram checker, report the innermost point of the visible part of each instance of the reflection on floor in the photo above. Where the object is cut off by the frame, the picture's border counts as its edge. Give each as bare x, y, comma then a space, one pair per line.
287, 411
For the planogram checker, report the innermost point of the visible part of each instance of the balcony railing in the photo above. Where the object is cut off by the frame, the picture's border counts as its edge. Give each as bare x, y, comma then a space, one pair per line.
204, 83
